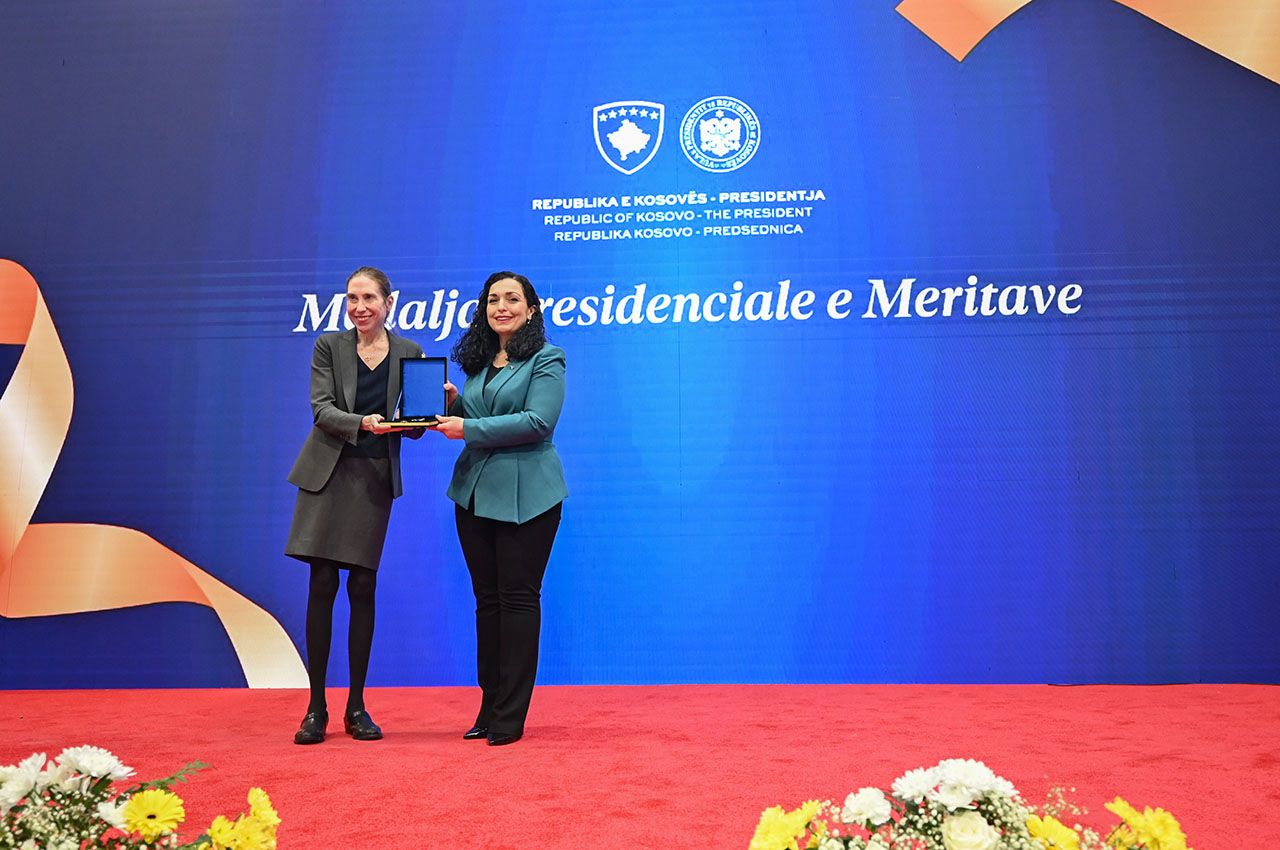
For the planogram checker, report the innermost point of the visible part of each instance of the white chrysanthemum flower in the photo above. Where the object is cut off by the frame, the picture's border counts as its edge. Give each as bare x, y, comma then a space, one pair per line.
866, 805
19, 780
913, 785
74, 783
113, 813
976, 776
95, 762
53, 776
830, 843
29, 766
1003, 788
968, 772
954, 795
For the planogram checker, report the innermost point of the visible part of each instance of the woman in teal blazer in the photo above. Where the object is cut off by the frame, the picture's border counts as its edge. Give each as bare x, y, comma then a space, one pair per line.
507, 485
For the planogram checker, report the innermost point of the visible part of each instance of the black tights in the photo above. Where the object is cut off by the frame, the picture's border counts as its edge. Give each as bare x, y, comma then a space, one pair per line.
361, 584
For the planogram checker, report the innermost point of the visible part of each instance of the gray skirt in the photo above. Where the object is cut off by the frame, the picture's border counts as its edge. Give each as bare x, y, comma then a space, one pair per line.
346, 520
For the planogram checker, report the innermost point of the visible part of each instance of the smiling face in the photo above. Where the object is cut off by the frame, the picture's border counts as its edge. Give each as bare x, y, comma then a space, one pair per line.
507, 308
367, 307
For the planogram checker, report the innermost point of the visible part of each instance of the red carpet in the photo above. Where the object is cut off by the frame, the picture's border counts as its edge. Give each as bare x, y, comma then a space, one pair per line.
666, 767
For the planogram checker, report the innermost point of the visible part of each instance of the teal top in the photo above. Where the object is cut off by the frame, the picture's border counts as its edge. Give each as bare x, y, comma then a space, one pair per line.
509, 465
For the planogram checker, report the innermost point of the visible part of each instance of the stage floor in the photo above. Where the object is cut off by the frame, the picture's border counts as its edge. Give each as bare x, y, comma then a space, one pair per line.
672, 766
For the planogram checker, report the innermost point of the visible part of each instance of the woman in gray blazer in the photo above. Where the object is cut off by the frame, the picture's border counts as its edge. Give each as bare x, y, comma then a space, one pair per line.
507, 485
347, 475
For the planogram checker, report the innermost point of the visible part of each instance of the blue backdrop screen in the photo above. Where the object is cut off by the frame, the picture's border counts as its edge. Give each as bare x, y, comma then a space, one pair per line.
881, 366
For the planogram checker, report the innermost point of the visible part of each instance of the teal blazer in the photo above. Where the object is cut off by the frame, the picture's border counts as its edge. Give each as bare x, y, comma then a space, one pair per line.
509, 464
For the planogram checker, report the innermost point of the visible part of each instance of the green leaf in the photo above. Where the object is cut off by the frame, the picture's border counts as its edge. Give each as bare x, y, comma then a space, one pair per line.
178, 776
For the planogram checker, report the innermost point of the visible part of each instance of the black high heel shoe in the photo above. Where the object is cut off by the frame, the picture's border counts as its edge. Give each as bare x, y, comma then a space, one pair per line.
501, 739
359, 725
312, 729
476, 733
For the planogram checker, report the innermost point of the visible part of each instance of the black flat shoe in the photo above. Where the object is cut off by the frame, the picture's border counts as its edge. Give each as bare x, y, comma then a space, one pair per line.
475, 733
360, 725
312, 729
501, 739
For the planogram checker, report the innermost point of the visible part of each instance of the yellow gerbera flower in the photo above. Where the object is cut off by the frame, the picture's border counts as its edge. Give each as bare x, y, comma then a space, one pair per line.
153, 813
1051, 832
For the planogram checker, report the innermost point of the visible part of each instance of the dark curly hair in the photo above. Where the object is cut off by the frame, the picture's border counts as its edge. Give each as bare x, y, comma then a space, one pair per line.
479, 345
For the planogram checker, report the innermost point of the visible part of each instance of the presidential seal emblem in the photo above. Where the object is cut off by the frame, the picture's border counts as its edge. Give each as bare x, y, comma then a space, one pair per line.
628, 132
720, 134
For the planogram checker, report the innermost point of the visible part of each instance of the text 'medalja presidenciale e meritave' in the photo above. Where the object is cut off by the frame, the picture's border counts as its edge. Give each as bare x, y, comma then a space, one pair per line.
444, 313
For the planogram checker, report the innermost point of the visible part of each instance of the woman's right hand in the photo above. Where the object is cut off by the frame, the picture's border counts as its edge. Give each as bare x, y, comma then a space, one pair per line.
451, 426
450, 395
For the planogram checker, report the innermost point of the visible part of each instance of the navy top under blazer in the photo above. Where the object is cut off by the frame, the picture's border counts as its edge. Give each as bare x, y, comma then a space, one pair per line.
509, 465
333, 398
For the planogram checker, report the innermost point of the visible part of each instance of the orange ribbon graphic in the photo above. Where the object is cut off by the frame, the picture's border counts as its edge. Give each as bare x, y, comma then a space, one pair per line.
49, 569
1245, 31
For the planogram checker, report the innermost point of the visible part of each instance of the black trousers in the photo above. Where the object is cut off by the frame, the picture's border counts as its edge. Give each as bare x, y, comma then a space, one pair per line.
507, 562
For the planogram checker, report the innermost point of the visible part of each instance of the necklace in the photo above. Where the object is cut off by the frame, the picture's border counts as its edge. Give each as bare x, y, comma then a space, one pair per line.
373, 353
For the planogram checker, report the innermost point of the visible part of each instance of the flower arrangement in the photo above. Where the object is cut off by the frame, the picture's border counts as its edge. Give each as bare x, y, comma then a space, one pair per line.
70, 803
1150, 829
958, 804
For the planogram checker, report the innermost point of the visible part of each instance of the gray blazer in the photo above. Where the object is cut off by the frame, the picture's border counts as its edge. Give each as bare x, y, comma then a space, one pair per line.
333, 394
